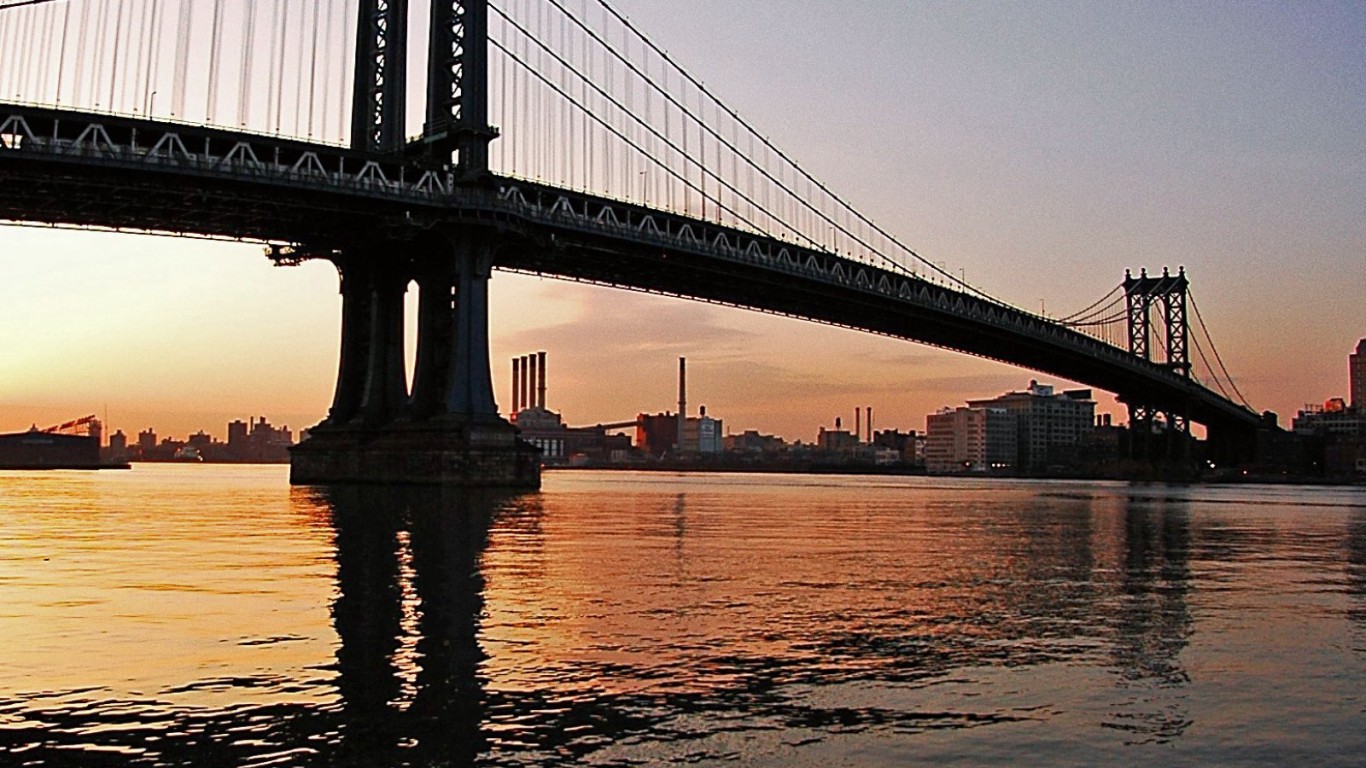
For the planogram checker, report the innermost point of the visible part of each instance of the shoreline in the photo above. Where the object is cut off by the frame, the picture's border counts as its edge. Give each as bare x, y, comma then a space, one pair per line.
899, 471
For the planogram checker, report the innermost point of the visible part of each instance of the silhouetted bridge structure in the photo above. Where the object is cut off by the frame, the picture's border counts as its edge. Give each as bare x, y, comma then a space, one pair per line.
388, 210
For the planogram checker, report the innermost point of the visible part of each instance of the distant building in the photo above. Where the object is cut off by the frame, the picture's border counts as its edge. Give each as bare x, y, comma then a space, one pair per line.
237, 434
147, 441
752, 443
1356, 364
545, 430
702, 435
118, 447
1054, 429
1331, 418
657, 434
837, 439
971, 439
903, 443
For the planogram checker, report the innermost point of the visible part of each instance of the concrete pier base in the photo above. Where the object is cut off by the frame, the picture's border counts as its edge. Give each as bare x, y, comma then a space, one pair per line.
439, 451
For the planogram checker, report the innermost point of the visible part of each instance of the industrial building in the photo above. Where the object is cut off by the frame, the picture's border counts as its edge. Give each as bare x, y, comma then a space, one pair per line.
559, 443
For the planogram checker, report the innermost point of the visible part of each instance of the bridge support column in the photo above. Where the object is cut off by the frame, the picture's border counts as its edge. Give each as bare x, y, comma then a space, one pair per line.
356, 322
450, 433
386, 384
470, 395
435, 338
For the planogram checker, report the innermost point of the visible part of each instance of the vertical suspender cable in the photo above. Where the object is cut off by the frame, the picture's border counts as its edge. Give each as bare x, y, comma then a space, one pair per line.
327, 69
114, 60
10, 52
22, 48
26, 57
280, 65
300, 108
153, 58
81, 33
313, 72
97, 71
211, 106
299, 72
6, 52
272, 88
41, 91
139, 60
182, 55
62, 58
244, 65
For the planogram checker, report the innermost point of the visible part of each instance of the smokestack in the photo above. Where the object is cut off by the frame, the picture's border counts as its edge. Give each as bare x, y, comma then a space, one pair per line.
858, 425
682, 399
521, 386
870, 424
526, 385
531, 382
516, 384
540, 396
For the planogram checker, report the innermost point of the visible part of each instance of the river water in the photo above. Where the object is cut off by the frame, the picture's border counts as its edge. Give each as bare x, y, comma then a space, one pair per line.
212, 615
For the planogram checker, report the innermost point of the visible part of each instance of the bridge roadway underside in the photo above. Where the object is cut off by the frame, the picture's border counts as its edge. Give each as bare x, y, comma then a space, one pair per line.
64, 194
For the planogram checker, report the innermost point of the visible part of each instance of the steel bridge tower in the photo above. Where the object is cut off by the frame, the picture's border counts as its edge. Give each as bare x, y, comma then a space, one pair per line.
446, 429
1169, 292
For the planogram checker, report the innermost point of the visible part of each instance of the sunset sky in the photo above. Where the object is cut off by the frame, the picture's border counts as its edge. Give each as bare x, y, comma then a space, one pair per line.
1040, 148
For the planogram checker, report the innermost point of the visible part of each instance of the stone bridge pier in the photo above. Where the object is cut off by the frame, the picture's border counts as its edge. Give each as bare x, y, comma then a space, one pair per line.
447, 431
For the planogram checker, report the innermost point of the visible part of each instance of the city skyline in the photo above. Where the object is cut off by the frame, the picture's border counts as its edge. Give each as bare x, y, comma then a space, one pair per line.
1041, 151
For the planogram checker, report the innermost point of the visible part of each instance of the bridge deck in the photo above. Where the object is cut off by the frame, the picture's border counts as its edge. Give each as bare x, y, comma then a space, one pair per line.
69, 168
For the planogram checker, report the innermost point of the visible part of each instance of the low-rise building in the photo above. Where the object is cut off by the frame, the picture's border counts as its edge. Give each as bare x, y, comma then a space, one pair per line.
1054, 428
971, 439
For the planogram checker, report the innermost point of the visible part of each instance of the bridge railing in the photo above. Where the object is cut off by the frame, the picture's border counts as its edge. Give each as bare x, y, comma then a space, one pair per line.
131, 143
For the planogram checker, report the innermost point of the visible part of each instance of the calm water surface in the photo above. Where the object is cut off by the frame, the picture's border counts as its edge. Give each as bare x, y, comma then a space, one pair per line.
212, 615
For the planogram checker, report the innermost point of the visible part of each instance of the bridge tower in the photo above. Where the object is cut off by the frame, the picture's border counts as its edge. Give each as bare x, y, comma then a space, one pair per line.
447, 431
1141, 294
377, 105
457, 86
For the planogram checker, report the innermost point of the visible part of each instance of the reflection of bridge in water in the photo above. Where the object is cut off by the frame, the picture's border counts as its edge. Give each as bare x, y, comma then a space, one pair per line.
617, 168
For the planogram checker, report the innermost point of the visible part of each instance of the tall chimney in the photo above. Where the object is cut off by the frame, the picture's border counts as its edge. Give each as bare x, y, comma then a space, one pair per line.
540, 394
525, 385
870, 424
682, 399
516, 384
531, 382
858, 424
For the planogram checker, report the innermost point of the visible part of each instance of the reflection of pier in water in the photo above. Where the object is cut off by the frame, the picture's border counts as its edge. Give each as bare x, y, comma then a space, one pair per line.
410, 593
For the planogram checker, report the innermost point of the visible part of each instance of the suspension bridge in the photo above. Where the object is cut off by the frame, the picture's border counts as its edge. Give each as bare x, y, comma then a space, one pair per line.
556, 139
